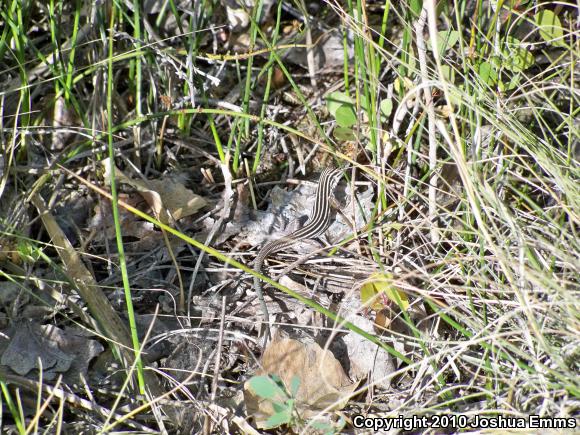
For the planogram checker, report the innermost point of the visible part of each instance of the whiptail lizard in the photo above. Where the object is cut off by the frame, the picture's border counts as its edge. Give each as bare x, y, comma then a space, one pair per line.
316, 225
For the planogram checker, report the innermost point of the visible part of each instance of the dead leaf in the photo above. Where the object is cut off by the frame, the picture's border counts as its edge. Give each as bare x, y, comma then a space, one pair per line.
323, 384
64, 121
239, 11
49, 348
131, 225
327, 52
167, 198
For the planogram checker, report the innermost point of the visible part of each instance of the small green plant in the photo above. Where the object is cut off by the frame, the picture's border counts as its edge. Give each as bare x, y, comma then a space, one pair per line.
446, 39
283, 400
505, 69
327, 428
344, 110
28, 251
550, 27
272, 388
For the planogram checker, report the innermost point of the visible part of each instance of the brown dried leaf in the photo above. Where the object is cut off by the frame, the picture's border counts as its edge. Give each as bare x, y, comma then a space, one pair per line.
64, 119
51, 349
323, 382
167, 198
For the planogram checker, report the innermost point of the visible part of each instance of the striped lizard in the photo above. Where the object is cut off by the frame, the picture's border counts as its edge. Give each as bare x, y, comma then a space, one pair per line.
316, 225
